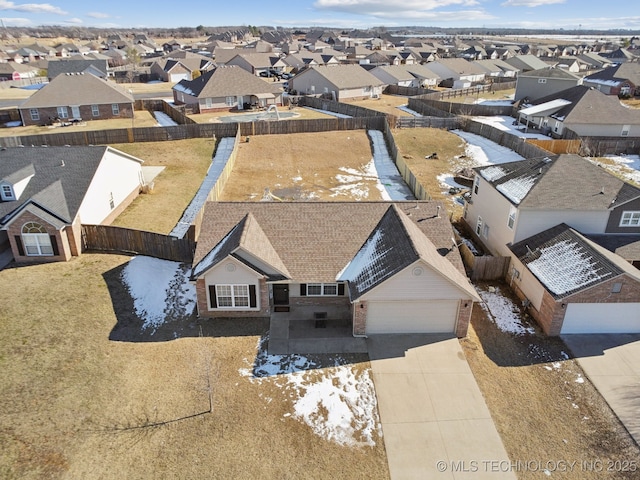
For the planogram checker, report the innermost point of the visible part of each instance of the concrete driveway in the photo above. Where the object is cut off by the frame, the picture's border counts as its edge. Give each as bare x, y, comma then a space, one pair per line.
612, 363
434, 418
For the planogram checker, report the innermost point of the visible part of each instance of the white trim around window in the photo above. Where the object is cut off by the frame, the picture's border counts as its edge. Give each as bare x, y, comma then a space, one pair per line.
35, 114
630, 219
232, 296
322, 289
115, 109
95, 110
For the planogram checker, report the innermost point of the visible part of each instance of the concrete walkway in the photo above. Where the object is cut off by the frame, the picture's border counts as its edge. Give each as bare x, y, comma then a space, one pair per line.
612, 363
434, 418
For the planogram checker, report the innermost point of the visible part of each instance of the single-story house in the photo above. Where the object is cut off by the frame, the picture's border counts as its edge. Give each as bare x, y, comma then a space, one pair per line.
173, 70
623, 79
572, 285
17, 71
76, 97
256, 63
574, 108
385, 267
457, 72
99, 68
343, 82
47, 193
226, 88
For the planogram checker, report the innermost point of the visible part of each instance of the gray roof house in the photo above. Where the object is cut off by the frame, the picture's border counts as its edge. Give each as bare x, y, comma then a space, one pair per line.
76, 96
457, 71
574, 109
512, 201
396, 254
546, 81
342, 82
572, 285
226, 88
47, 193
622, 79
98, 68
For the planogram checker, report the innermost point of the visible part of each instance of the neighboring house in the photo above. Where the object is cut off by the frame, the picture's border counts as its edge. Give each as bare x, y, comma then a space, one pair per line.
173, 70
583, 110
226, 88
47, 193
98, 68
526, 63
594, 60
572, 285
513, 201
497, 68
343, 82
17, 71
79, 97
406, 75
623, 79
458, 72
383, 267
546, 81
256, 63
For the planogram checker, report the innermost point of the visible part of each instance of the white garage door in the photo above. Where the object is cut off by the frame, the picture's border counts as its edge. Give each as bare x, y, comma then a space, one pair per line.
602, 318
412, 317
176, 77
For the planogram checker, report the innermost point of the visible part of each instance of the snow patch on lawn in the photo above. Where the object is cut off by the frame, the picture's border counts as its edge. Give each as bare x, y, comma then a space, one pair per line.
484, 151
627, 166
338, 403
505, 314
160, 290
355, 183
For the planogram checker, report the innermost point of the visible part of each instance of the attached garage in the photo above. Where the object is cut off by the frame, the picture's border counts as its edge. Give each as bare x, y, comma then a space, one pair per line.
176, 77
602, 318
436, 316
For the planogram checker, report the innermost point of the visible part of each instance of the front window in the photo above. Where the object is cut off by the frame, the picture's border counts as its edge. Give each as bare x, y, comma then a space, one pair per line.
35, 115
322, 289
36, 240
630, 219
95, 110
230, 101
63, 112
208, 102
115, 109
232, 296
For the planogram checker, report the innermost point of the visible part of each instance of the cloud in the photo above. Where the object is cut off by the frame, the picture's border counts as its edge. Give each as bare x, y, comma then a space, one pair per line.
74, 21
31, 7
388, 8
530, 3
17, 22
98, 15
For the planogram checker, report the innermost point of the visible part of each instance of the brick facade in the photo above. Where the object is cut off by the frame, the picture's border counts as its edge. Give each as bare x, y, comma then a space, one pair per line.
46, 114
550, 317
61, 239
360, 318
464, 317
263, 298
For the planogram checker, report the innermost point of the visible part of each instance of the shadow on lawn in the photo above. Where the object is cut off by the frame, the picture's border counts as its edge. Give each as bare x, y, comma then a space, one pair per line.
130, 327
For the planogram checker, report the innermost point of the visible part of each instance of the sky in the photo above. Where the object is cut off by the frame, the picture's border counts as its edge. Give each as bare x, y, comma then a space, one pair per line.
344, 14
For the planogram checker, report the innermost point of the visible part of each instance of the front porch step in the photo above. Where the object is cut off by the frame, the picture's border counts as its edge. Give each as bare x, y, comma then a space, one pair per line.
328, 345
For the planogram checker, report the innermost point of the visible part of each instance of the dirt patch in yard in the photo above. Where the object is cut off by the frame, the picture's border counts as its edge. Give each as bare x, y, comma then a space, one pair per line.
309, 166
544, 408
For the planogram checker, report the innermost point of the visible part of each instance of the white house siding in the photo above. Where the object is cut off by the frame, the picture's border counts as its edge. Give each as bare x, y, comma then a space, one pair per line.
605, 130
232, 272
411, 285
587, 222
310, 82
219, 103
528, 284
116, 175
494, 209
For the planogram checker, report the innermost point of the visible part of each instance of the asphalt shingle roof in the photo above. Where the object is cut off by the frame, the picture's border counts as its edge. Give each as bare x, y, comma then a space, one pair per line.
345, 76
61, 177
226, 81
561, 182
316, 240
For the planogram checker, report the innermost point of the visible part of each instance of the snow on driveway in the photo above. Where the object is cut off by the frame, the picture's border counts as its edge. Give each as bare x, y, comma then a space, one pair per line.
160, 290
338, 403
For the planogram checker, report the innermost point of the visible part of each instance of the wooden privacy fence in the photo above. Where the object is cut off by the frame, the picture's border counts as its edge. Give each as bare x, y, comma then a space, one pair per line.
557, 146
107, 238
485, 267
428, 122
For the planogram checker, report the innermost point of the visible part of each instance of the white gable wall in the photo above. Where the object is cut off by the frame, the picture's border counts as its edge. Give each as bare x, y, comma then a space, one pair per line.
416, 282
116, 175
586, 222
231, 271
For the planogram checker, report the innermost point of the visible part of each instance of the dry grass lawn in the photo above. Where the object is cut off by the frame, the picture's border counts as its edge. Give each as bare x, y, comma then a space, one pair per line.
186, 163
541, 412
386, 104
311, 166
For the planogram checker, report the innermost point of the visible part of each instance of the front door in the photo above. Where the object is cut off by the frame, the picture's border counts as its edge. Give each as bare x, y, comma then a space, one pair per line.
280, 294
75, 112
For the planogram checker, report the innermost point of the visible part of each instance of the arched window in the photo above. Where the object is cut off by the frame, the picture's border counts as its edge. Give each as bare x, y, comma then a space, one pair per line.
36, 240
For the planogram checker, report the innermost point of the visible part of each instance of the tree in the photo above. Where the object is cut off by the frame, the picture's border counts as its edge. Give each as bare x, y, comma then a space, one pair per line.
134, 56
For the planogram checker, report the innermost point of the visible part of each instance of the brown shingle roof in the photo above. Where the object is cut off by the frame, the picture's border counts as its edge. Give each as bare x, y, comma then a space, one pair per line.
316, 240
226, 81
82, 89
